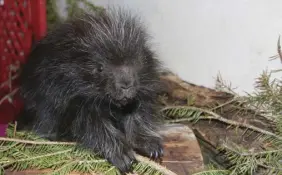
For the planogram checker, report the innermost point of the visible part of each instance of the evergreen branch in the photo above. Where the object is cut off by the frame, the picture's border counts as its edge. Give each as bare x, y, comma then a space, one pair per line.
244, 161
49, 154
211, 170
214, 116
38, 157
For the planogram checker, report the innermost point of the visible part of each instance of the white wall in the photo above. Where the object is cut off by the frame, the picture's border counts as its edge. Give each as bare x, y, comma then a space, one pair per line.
199, 38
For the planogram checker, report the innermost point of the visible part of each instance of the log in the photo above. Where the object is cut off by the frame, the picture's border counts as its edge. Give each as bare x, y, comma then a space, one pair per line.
212, 133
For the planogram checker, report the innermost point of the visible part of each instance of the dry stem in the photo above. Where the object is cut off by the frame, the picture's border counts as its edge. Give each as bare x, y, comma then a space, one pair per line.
154, 165
35, 142
251, 153
210, 171
8, 95
279, 49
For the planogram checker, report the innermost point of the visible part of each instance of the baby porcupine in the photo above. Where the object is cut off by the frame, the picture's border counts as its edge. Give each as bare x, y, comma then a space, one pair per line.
94, 80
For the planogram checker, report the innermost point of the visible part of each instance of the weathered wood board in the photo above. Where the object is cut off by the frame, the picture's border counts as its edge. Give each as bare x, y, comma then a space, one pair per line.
182, 152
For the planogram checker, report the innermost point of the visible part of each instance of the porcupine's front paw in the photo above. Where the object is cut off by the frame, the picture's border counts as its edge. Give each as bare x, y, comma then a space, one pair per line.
123, 161
152, 148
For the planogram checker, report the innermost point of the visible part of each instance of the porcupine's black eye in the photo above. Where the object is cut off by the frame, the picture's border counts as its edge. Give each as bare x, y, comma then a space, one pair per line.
100, 68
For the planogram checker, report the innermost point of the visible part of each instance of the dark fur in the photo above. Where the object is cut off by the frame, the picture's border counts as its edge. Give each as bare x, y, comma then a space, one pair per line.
94, 79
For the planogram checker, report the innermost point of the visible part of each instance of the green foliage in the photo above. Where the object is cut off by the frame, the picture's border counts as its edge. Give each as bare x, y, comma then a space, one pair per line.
183, 113
211, 170
247, 162
73, 7
18, 154
76, 6
52, 13
267, 95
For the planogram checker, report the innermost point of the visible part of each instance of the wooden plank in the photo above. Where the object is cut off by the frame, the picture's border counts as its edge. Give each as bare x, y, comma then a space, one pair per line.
182, 152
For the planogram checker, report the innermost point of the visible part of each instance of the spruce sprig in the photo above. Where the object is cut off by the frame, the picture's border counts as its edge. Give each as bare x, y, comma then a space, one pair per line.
26, 151
61, 159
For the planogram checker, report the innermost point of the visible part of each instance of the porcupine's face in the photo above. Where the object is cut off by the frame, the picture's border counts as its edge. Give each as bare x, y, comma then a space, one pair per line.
121, 82
122, 65
124, 77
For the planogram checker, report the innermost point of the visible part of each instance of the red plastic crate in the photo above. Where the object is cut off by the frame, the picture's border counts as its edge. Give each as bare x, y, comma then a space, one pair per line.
21, 23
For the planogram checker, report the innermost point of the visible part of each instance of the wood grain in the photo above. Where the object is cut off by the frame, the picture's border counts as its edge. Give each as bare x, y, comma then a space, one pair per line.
182, 152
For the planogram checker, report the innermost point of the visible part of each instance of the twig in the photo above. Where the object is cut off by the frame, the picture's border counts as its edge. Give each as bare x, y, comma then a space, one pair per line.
109, 170
279, 49
92, 161
215, 116
221, 85
8, 81
15, 129
251, 153
224, 104
35, 142
269, 167
8, 95
180, 120
211, 171
155, 165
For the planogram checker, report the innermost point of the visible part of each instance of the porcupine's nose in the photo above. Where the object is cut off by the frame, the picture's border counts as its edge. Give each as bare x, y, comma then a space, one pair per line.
126, 85
127, 88
126, 82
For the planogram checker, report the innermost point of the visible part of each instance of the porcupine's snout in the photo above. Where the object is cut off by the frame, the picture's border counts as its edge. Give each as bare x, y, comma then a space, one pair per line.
126, 84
